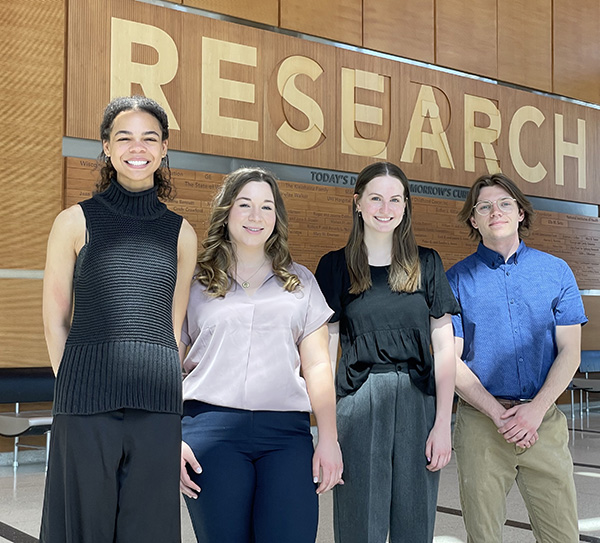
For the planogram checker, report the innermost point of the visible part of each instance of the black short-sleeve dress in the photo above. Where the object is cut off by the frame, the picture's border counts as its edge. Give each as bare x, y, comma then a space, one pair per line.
379, 326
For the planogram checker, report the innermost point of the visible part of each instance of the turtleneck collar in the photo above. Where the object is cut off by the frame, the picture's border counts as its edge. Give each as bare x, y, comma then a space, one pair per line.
142, 205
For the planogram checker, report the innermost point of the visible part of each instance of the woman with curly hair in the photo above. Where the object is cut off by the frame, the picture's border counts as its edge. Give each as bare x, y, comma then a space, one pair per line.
116, 285
258, 363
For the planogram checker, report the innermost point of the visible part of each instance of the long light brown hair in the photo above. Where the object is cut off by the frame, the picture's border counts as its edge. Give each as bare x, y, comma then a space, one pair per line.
405, 267
217, 256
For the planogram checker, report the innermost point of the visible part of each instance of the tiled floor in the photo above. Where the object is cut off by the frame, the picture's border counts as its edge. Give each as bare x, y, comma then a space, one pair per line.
21, 497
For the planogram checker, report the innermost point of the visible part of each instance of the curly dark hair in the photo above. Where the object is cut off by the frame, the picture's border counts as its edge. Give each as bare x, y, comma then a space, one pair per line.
162, 176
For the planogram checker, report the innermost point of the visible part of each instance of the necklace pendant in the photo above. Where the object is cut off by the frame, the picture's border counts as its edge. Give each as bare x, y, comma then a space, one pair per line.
245, 284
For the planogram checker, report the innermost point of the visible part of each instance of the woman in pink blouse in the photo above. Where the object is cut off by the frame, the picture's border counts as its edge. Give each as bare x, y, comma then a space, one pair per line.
257, 364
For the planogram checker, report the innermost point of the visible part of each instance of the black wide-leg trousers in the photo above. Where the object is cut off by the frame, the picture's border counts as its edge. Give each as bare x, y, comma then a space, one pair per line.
113, 478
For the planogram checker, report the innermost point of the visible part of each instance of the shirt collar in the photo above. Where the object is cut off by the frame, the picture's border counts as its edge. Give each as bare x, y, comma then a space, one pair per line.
494, 260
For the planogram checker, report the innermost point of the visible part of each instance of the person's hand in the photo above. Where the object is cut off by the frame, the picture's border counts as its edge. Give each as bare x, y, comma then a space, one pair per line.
500, 420
438, 447
186, 485
521, 423
327, 465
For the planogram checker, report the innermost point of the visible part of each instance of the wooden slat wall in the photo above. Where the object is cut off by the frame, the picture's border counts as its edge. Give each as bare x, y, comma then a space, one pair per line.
263, 11
89, 95
466, 36
21, 330
339, 20
577, 49
525, 43
32, 44
400, 27
31, 94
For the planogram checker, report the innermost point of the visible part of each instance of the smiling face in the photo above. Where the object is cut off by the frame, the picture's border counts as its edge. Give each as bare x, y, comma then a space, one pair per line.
382, 204
135, 149
252, 216
499, 226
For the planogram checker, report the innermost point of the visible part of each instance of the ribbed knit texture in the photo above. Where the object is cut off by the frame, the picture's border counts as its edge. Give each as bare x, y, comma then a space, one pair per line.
121, 349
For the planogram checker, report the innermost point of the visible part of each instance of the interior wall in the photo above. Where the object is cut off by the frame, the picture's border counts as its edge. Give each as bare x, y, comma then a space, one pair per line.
549, 45
32, 64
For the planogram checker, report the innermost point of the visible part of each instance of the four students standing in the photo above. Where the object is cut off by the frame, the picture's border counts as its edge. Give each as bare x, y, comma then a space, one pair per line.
255, 348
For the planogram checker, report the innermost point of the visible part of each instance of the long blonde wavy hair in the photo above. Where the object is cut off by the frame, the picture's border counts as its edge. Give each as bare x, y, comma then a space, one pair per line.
405, 267
217, 256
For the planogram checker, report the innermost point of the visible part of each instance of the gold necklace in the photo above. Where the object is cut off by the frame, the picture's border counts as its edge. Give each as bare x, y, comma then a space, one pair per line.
246, 282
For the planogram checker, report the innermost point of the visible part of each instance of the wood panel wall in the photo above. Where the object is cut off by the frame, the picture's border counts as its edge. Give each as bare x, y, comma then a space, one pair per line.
355, 106
31, 125
549, 45
263, 11
525, 43
590, 335
32, 48
577, 49
400, 27
339, 20
466, 36
21, 330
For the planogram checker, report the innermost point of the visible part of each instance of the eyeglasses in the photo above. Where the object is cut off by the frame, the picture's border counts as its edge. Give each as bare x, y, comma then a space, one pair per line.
506, 205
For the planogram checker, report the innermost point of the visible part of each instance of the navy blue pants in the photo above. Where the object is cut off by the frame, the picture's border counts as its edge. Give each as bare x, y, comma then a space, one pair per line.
257, 475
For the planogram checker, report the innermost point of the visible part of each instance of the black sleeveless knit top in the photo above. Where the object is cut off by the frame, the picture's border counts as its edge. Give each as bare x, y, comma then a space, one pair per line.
121, 350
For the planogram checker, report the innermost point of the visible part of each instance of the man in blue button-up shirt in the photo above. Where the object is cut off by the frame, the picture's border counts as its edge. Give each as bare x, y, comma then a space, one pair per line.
518, 340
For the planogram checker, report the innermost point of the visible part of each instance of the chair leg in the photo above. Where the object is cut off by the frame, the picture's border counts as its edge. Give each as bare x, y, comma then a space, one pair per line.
572, 405
16, 454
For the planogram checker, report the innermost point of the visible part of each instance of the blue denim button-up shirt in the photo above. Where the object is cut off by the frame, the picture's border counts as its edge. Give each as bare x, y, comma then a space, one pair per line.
510, 311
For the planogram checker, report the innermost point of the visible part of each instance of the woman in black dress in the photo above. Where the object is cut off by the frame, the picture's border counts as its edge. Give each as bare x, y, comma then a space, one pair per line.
395, 381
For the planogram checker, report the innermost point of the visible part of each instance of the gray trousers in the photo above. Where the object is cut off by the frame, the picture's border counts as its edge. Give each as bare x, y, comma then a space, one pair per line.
382, 431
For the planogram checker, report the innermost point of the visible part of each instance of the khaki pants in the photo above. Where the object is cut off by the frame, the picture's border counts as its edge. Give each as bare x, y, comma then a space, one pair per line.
488, 467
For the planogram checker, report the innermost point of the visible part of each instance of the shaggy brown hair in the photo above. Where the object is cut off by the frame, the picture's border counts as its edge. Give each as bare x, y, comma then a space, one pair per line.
500, 180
